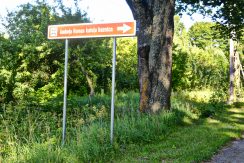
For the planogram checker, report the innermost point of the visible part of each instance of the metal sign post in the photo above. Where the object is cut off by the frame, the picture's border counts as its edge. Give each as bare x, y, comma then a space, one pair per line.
113, 91
90, 30
65, 90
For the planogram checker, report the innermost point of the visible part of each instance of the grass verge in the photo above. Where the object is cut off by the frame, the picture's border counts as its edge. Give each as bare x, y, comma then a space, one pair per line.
181, 135
194, 142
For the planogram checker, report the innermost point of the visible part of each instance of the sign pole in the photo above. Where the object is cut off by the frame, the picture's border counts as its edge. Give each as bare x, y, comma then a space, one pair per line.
113, 90
65, 90
90, 30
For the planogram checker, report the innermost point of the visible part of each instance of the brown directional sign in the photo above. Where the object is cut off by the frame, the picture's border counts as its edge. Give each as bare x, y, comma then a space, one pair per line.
87, 30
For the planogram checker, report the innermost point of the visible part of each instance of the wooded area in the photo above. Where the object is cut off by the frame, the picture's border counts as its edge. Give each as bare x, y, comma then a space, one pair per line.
156, 19
178, 73
32, 66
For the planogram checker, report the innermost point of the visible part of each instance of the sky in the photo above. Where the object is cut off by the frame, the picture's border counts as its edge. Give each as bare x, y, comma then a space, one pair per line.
99, 10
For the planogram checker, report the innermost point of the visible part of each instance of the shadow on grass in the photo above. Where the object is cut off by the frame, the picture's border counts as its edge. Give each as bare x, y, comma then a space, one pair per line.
197, 142
239, 104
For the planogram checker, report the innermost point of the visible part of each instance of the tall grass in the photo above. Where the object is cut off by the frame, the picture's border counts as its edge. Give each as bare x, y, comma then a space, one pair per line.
31, 134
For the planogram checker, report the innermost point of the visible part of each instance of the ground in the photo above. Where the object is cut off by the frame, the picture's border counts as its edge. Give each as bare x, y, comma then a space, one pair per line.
232, 153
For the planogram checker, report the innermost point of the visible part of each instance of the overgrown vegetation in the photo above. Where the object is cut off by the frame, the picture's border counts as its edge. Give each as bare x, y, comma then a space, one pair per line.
32, 66
31, 94
194, 142
34, 134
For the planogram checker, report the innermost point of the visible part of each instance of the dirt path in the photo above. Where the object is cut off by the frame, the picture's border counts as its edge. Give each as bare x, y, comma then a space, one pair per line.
233, 153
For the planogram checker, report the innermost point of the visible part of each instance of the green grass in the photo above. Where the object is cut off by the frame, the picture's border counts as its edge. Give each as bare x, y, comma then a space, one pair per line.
191, 143
33, 133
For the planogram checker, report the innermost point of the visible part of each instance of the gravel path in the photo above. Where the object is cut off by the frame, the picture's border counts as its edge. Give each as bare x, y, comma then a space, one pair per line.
234, 153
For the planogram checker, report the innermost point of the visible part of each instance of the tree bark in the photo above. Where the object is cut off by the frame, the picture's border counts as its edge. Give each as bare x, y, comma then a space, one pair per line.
155, 40
232, 73
237, 75
89, 81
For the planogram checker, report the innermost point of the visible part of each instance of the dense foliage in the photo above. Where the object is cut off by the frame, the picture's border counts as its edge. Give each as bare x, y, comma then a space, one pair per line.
31, 87
229, 14
32, 66
200, 58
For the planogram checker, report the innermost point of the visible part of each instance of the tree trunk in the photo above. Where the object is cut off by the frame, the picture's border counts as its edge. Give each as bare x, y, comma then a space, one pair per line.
89, 81
232, 73
237, 75
155, 40
11, 86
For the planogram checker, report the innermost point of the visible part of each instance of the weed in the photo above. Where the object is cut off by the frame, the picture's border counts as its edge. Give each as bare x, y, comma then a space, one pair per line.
33, 134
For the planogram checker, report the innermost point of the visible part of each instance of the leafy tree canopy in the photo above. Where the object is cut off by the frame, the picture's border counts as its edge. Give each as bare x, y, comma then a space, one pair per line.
228, 13
204, 35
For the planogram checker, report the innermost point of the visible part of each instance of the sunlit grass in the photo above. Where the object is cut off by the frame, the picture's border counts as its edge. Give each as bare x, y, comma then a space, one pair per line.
193, 143
29, 134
